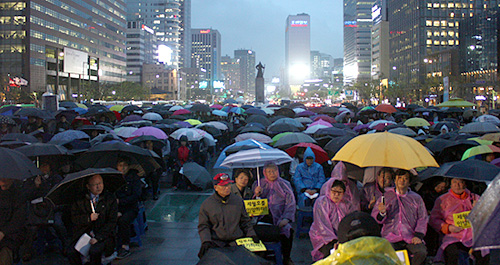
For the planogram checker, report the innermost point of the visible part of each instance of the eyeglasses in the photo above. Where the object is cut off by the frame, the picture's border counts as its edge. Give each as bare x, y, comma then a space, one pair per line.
336, 192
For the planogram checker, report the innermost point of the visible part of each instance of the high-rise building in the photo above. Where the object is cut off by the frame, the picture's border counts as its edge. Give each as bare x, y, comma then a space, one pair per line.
297, 50
421, 28
380, 66
55, 44
141, 49
185, 34
206, 53
321, 65
357, 40
163, 83
247, 70
231, 73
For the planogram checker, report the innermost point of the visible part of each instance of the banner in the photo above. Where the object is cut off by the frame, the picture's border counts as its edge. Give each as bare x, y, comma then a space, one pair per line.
248, 243
257, 207
460, 220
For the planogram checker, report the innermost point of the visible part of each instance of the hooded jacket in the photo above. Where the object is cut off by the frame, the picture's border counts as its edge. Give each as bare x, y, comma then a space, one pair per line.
308, 177
352, 193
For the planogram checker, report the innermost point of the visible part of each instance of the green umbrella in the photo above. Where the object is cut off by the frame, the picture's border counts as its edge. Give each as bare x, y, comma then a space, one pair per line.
456, 102
278, 136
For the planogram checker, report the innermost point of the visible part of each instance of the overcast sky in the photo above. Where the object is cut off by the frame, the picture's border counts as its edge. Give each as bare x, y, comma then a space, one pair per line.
260, 25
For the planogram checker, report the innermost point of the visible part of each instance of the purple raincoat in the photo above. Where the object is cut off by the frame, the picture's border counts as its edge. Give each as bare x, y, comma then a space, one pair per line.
281, 201
442, 213
352, 193
327, 216
406, 216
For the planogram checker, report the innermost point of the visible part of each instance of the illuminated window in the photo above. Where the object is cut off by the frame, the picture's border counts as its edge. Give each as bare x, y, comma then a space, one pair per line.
429, 42
444, 34
436, 42
436, 33
428, 23
452, 14
443, 23
451, 33
436, 23
450, 5
451, 42
429, 33
451, 24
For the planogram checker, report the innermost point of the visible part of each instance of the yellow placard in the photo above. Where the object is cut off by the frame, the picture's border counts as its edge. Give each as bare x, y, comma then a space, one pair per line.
257, 207
403, 256
460, 220
248, 243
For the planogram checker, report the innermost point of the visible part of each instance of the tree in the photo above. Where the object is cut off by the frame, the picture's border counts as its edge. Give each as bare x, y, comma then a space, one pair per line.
366, 89
127, 90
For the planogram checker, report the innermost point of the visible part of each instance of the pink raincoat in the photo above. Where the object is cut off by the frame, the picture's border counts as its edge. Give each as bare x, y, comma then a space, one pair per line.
442, 213
370, 190
327, 216
281, 201
352, 193
406, 216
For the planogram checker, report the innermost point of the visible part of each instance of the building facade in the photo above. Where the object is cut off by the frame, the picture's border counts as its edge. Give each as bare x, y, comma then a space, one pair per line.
36, 34
185, 34
141, 49
297, 50
231, 73
321, 65
206, 53
380, 66
164, 83
247, 70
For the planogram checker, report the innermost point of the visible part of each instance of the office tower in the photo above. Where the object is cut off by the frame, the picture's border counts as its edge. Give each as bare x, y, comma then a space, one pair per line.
231, 72
422, 28
297, 50
380, 41
321, 65
141, 49
247, 70
185, 34
163, 83
55, 45
206, 53
357, 40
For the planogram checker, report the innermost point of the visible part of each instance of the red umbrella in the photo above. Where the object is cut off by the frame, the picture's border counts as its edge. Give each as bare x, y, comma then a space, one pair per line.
181, 112
321, 155
386, 108
216, 106
117, 115
325, 118
84, 120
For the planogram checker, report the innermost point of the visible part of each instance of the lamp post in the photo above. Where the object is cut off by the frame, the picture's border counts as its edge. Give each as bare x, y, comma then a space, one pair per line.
82, 76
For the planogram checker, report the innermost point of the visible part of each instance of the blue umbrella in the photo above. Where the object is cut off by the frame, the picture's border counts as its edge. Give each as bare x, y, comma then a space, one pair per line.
80, 111
255, 111
219, 113
68, 136
249, 142
237, 110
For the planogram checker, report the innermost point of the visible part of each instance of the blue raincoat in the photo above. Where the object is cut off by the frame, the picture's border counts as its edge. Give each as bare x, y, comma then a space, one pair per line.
308, 177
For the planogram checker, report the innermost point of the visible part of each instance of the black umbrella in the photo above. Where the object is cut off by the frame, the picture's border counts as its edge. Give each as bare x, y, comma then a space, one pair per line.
329, 110
89, 128
255, 129
6, 120
258, 119
337, 143
159, 144
332, 131
68, 104
255, 111
167, 121
69, 114
470, 169
131, 108
40, 149
34, 112
450, 125
292, 139
73, 187
106, 137
237, 255
282, 127
21, 137
200, 108
13, 144
197, 175
98, 111
285, 112
437, 145
15, 165
210, 129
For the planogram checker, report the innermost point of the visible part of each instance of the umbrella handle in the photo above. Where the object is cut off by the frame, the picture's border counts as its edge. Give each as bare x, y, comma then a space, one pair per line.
258, 177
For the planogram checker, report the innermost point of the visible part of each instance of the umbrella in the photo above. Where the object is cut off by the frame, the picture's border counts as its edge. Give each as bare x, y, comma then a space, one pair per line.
456, 102
367, 111
299, 110
193, 122
151, 131
416, 122
335, 144
289, 121
219, 113
197, 175
403, 131
125, 132
257, 157
175, 108
131, 118
98, 110
200, 108
480, 140
73, 185
13, 144
306, 113
219, 125
485, 218
319, 153
247, 107
329, 110
385, 150
479, 150
68, 136
209, 129
282, 127
287, 112
480, 128
237, 110
471, 169
450, 125
255, 136
216, 106
304, 120
182, 124
313, 129
255, 111
321, 122
333, 131
157, 143
249, 142
15, 165
105, 137
268, 111
325, 118
117, 108
21, 137
40, 149
258, 119
237, 255
192, 134
181, 112
89, 128
6, 120
151, 116
230, 101
494, 137
383, 123
68, 104
34, 112
294, 138
386, 108
489, 118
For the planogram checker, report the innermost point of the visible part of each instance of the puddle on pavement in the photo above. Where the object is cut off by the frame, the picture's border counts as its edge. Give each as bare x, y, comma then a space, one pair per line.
177, 208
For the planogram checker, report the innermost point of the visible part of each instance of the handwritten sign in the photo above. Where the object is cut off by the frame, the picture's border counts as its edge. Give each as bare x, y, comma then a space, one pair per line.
403, 256
460, 220
248, 243
257, 207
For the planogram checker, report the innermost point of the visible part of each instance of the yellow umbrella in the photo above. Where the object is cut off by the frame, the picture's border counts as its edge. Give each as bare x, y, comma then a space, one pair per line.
456, 102
117, 108
193, 122
80, 105
493, 137
385, 150
416, 122
481, 140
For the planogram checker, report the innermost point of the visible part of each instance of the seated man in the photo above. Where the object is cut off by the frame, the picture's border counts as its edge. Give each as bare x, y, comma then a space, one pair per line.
12, 217
223, 218
281, 206
458, 199
374, 190
309, 177
404, 217
95, 214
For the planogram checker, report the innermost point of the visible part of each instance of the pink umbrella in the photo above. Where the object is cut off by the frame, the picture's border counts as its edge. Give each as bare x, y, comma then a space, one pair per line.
325, 118
181, 112
255, 136
321, 122
216, 106
148, 130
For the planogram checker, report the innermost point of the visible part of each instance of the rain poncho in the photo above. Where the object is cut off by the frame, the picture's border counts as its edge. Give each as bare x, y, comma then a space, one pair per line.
365, 250
281, 201
442, 215
308, 177
352, 193
406, 216
370, 190
327, 216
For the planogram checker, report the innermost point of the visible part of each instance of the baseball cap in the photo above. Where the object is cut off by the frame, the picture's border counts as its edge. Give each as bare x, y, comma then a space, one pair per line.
222, 179
357, 224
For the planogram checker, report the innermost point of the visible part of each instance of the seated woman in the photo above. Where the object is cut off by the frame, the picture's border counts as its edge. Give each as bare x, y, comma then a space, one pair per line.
329, 209
240, 185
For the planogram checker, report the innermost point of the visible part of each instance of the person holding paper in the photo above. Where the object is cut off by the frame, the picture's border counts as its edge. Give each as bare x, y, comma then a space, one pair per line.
457, 200
403, 217
329, 210
374, 190
308, 179
12, 219
223, 218
95, 214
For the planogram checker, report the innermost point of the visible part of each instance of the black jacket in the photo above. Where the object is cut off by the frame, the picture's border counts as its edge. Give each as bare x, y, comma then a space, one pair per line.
12, 217
129, 194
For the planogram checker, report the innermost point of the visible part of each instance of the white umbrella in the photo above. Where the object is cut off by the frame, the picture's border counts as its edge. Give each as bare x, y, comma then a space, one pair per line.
298, 110
191, 133
125, 132
151, 116
255, 136
219, 125
313, 129
489, 118
176, 107
268, 111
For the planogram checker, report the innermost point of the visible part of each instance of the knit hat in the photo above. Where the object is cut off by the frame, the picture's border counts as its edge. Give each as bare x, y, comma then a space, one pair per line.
357, 224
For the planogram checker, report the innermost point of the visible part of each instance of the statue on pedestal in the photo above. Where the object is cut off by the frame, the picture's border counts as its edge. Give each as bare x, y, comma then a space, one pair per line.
260, 70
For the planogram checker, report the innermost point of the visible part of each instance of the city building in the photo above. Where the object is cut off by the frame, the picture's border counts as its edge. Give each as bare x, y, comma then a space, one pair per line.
421, 28
141, 49
297, 50
194, 79
206, 53
357, 41
56, 46
231, 73
163, 83
321, 65
248, 71
380, 65
185, 34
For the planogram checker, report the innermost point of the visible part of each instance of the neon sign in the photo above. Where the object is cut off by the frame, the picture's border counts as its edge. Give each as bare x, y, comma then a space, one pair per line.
299, 23
351, 24
148, 29
204, 31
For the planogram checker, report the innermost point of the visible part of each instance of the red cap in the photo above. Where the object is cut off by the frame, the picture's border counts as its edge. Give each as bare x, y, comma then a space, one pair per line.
222, 179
